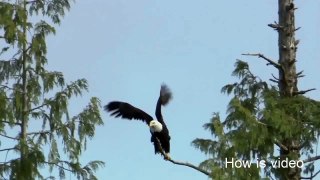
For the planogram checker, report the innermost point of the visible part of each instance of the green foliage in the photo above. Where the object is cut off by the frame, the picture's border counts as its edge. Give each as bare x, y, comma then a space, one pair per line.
257, 121
29, 95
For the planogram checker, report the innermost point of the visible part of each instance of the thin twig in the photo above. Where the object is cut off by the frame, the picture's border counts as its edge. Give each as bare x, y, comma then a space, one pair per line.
275, 81
299, 74
39, 132
304, 91
311, 159
297, 29
276, 65
302, 145
9, 137
276, 26
8, 149
11, 122
281, 145
38, 107
6, 87
29, 2
180, 163
60, 166
311, 177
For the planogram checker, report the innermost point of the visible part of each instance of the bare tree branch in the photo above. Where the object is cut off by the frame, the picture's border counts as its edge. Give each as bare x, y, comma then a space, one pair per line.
297, 29
8, 149
299, 74
302, 145
311, 159
312, 176
180, 163
189, 165
275, 26
9, 137
281, 145
39, 132
6, 87
275, 81
38, 107
270, 62
303, 92
19, 124
30, 2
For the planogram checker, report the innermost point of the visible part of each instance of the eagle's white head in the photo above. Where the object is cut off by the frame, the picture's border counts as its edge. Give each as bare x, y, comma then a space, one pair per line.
155, 126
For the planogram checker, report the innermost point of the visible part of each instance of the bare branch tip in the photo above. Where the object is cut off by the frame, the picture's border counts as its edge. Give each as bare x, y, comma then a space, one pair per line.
270, 61
178, 162
304, 91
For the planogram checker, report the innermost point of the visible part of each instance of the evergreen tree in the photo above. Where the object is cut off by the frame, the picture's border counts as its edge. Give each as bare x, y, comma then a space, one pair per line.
264, 121
34, 119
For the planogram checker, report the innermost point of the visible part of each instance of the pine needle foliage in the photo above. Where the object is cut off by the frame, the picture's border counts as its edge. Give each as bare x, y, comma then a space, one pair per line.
257, 120
37, 133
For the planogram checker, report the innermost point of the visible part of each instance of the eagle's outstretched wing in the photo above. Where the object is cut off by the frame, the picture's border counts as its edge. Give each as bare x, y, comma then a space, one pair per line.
164, 98
127, 111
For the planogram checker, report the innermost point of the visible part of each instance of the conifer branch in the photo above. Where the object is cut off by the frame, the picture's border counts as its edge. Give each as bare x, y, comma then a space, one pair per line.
259, 122
270, 61
9, 162
10, 88
179, 162
312, 176
43, 131
60, 166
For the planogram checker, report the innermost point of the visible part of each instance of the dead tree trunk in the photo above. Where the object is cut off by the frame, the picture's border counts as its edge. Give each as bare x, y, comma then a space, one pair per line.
288, 76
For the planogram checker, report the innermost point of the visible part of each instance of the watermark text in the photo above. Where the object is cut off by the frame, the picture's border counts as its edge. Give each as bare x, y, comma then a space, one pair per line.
278, 163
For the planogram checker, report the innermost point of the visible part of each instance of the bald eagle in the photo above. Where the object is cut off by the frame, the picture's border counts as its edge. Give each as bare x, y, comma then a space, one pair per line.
158, 128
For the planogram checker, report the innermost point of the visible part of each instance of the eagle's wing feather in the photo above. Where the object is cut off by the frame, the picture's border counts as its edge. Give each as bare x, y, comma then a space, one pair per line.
127, 111
164, 98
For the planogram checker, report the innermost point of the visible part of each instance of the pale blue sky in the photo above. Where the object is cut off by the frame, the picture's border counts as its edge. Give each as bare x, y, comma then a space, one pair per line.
126, 49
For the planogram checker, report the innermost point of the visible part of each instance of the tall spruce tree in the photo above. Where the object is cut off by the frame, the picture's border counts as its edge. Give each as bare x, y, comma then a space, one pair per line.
266, 121
37, 134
